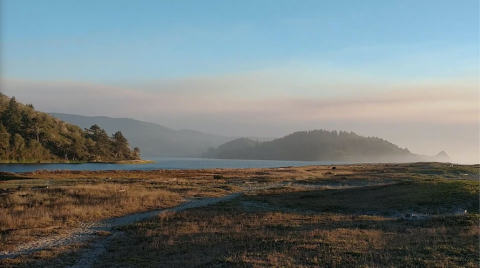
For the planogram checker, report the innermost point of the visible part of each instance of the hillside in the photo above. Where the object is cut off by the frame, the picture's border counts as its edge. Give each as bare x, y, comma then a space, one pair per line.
27, 135
320, 145
154, 139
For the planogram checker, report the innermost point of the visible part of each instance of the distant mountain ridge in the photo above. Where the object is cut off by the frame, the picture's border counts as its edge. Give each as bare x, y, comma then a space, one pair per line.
315, 145
154, 139
321, 145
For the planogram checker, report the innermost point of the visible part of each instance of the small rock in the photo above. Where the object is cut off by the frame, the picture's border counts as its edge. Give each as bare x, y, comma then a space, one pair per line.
410, 216
460, 211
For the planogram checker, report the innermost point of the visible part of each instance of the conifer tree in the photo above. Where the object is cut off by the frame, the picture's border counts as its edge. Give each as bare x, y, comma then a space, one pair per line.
120, 145
28, 135
12, 117
4, 141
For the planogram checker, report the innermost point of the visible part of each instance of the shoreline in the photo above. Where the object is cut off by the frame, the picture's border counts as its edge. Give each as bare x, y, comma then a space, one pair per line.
120, 162
329, 169
133, 166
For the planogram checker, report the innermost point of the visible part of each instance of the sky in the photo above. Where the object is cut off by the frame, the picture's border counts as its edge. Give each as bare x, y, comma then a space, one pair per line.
406, 71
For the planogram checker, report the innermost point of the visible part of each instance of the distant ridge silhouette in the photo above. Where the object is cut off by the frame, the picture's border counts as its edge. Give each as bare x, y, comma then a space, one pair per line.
153, 139
321, 145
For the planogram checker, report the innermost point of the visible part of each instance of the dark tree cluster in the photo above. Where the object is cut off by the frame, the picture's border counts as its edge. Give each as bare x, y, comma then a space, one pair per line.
27, 135
314, 145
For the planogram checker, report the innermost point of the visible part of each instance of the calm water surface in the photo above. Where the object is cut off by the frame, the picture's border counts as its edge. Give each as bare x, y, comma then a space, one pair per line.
166, 163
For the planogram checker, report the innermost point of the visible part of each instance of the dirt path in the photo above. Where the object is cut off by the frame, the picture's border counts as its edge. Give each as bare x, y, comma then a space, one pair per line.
88, 231
100, 246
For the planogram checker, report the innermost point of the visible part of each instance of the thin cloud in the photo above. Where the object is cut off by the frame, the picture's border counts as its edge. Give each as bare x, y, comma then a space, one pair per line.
417, 103
425, 117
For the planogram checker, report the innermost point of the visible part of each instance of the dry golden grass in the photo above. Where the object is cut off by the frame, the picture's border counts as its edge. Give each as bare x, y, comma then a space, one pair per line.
229, 236
292, 227
280, 231
41, 203
29, 213
65, 256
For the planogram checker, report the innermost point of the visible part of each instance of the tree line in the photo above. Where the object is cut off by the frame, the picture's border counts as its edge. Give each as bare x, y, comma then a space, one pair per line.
27, 135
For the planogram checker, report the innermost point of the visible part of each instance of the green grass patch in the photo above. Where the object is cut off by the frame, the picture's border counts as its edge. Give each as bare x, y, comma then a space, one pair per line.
433, 196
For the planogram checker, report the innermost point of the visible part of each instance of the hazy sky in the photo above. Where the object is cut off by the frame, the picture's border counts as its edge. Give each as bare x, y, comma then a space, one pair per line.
406, 71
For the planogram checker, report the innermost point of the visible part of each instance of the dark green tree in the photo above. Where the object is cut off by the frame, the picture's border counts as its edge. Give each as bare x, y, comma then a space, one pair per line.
12, 117
136, 153
18, 147
103, 143
4, 142
120, 145
77, 149
29, 135
35, 151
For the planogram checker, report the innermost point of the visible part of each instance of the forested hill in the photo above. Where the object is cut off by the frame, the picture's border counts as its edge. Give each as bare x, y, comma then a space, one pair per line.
320, 145
154, 139
27, 135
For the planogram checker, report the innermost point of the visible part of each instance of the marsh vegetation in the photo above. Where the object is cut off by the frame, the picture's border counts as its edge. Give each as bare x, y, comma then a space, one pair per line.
382, 215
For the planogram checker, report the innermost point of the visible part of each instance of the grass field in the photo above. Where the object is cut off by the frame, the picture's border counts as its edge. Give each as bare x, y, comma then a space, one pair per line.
43, 203
388, 215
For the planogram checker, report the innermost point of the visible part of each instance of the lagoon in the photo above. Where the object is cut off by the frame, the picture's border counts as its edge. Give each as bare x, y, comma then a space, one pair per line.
166, 163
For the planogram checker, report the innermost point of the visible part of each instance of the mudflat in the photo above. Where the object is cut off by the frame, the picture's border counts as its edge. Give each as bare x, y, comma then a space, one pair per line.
415, 214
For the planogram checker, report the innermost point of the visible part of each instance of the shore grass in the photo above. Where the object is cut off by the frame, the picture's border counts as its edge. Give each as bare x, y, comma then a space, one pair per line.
426, 196
233, 235
30, 213
133, 162
289, 226
41, 203
223, 236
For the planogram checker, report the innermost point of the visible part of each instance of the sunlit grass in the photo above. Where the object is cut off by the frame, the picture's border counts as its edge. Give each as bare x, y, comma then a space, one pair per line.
289, 226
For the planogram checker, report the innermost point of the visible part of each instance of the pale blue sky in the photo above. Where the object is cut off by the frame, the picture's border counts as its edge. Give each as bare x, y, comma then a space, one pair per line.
389, 68
108, 41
